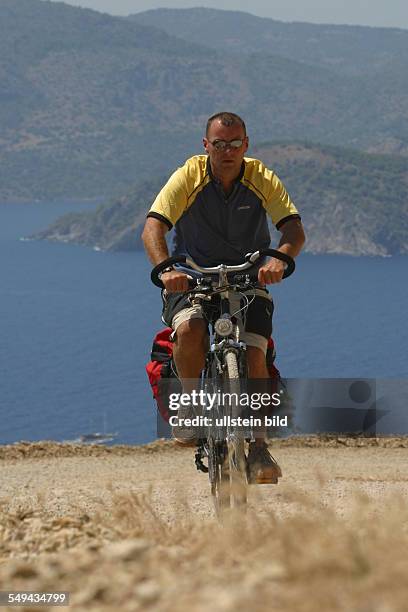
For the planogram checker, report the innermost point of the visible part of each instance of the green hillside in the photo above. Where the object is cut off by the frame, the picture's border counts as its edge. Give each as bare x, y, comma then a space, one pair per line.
350, 202
114, 226
90, 103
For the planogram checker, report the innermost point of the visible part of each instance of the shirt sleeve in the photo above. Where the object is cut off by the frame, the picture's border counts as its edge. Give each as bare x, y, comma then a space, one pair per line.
172, 200
278, 204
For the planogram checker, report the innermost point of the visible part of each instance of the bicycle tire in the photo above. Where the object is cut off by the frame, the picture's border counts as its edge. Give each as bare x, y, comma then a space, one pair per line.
219, 479
216, 450
236, 443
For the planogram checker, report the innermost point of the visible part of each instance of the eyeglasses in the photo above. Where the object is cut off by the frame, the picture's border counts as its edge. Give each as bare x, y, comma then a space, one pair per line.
221, 145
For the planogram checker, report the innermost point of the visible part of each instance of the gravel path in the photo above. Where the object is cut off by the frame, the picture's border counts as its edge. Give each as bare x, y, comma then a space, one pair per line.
86, 477
115, 525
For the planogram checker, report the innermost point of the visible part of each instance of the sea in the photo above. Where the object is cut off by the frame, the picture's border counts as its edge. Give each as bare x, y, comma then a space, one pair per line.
77, 327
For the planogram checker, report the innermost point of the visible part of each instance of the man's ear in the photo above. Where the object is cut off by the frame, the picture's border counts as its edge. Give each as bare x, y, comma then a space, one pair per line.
246, 143
205, 144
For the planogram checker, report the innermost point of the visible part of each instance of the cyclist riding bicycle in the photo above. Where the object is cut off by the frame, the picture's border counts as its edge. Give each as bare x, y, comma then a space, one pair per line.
218, 204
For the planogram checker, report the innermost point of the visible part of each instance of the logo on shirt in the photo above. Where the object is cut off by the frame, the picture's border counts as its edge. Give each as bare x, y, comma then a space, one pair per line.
245, 207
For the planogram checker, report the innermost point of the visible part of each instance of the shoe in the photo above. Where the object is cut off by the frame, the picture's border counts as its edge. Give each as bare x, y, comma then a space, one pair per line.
262, 467
183, 435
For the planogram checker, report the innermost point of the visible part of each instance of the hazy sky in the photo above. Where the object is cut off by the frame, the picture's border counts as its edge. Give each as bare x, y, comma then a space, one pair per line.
387, 13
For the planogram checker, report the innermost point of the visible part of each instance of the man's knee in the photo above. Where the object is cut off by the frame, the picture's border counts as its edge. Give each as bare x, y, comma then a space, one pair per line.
191, 335
256, 363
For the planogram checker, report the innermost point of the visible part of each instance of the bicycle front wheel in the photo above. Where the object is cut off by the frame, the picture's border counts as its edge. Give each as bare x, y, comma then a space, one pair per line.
218, 474
235, 440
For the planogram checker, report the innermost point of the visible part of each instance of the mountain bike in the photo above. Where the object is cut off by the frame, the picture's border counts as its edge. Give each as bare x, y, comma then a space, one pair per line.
222, 444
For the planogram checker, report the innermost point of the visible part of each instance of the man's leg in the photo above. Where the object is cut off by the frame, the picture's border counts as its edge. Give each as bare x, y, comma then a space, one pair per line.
190, 348
263, 468
257, 369
256, 363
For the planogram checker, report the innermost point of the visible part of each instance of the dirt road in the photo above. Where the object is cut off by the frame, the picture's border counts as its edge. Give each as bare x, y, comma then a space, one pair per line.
134, 528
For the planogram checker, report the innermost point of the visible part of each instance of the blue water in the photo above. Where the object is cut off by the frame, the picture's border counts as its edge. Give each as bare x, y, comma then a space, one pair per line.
77, 326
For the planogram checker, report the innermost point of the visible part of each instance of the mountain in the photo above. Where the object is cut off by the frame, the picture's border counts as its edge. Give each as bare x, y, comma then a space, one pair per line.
91, 104
114, 226
351, 50
88, 102
351, 203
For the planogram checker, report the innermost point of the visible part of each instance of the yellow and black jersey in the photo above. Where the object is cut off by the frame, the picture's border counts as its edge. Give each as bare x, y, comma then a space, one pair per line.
214, 228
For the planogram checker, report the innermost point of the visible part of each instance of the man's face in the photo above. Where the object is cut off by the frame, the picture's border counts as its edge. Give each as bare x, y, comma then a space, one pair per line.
227, 162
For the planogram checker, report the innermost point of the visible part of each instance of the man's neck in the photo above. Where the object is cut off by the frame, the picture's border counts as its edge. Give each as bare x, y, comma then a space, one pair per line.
227, 186
227, 181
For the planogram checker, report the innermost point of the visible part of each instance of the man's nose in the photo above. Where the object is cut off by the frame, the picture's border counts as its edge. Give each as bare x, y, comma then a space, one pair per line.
228, 148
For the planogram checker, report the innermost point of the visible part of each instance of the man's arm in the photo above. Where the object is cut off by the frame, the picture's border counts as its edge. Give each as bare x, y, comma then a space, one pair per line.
291, 243
293, 238
154, 241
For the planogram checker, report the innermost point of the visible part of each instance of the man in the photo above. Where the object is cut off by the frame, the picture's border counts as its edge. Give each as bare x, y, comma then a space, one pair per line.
218, 203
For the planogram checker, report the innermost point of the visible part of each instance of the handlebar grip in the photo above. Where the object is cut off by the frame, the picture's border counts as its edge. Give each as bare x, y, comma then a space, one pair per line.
154, 276
287, 259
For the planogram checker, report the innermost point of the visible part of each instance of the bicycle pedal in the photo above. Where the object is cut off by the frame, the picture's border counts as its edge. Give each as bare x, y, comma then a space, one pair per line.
201, 467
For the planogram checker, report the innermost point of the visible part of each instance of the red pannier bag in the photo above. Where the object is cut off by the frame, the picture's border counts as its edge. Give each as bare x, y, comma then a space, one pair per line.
161, 368
162, 373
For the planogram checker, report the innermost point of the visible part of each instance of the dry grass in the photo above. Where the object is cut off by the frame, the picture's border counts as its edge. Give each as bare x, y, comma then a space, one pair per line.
127, 557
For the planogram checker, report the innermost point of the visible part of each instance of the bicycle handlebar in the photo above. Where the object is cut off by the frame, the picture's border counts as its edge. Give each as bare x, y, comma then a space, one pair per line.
250, 260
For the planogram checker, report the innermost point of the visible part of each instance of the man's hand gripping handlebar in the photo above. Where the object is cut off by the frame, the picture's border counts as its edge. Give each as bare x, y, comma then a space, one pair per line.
176, 280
